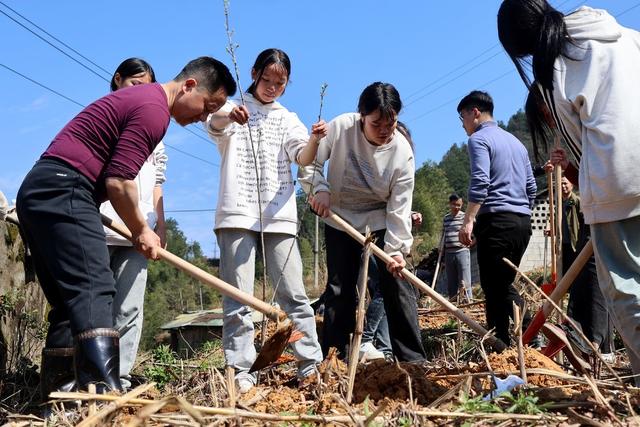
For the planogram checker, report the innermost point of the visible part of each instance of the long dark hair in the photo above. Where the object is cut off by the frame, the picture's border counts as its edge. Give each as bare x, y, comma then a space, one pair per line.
383, 97
268, 57
404, 131
130, 67
540, 122
532, 28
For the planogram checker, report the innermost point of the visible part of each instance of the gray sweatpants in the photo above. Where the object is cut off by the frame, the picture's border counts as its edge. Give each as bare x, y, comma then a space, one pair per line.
130, 273
617, 249
238, 249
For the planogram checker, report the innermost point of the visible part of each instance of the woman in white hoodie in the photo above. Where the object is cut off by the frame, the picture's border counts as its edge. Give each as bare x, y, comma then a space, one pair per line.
585, 65
262, 131
369, 183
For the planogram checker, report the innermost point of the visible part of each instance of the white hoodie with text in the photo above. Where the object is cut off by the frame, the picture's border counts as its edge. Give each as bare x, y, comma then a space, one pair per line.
278, 135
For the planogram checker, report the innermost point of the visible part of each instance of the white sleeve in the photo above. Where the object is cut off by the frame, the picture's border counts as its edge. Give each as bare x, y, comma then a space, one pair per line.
296, 137
160, 161
219, 126
311, 177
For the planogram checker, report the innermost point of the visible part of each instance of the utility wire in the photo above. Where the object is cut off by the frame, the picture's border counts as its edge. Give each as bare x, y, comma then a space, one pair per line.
108, 80
189, 210
55, 38
451, 101
54, 46
83, 106
42, 85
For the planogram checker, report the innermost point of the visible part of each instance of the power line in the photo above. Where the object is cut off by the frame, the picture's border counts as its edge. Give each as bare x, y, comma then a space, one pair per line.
458, 98
54, 46
83, 106
41, 85
79, 54
192, 155
55, 38
189, 210
462, 74
449, 73
453, 79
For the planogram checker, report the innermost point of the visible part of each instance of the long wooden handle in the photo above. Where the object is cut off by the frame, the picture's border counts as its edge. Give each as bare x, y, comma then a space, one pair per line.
558, 177
201, 275
415, 281
552, 227
559, 292
557, 170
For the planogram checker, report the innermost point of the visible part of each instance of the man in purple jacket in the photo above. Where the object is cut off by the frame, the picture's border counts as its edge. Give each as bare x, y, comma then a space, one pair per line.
501, 195
95, 157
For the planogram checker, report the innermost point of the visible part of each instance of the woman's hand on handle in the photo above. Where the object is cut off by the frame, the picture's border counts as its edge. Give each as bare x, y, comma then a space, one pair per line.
395, 265
321, 203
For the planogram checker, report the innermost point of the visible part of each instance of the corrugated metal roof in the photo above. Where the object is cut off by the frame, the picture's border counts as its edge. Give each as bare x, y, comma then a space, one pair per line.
211, 318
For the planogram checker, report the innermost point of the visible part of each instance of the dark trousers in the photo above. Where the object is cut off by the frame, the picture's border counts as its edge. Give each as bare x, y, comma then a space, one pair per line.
400, 302
586, 302
500, 235
59, 217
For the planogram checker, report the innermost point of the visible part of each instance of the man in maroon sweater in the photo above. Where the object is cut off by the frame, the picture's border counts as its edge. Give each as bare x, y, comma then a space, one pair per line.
95, 157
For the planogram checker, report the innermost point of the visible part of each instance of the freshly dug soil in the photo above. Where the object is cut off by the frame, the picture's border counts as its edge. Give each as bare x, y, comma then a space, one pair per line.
380, 379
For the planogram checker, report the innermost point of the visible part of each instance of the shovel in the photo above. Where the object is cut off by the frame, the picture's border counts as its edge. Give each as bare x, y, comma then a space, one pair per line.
274, 345
497, 344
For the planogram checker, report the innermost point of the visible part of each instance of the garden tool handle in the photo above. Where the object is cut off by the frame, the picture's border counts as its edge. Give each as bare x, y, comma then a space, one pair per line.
201, 275
416, 282
559, 292
552, 227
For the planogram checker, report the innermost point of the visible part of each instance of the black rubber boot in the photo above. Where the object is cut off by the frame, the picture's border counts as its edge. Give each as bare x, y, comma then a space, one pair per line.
56, 371
97, 359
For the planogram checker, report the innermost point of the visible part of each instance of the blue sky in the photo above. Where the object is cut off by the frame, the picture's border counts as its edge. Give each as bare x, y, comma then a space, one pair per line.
434, 52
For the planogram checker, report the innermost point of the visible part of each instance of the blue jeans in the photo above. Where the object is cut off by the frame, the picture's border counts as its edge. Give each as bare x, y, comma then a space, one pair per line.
376, 326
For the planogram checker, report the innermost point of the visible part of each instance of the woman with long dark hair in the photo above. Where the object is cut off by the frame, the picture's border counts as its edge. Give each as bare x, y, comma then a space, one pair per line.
584, 64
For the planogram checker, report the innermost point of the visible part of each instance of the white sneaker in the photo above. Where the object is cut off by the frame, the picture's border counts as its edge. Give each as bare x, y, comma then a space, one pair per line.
243, 385
369, 352
610, 358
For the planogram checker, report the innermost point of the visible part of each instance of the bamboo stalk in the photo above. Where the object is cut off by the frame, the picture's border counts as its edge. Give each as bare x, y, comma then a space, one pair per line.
230, 379
117, 402
521, 417
552, 229
93, 408
229, 412
360, 312
518, 324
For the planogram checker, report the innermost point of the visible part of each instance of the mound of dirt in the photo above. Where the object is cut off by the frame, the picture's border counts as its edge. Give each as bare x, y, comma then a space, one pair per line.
507, 362
380, 379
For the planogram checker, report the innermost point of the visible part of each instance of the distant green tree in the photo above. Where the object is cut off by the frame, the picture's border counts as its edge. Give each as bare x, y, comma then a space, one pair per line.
430, 197
455, 165
170, 291
517, 125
